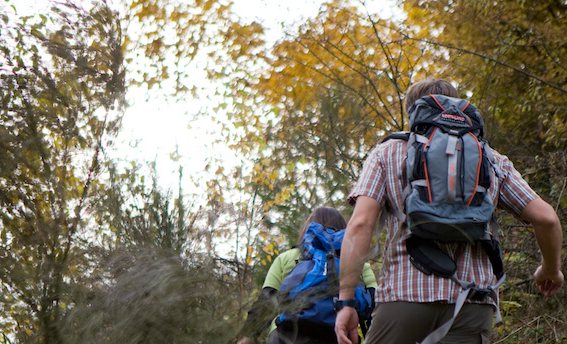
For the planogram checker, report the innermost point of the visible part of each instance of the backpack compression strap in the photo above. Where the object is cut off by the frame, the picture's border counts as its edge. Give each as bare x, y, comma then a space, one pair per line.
468, 292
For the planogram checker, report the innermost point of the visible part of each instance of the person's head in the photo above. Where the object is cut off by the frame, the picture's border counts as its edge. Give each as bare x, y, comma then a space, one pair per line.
325, 216
426, 87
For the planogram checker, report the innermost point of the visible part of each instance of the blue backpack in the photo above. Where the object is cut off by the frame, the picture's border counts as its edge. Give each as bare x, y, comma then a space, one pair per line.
306, 294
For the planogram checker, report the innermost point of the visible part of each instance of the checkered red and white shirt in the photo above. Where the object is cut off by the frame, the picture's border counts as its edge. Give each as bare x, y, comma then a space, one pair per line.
383, 178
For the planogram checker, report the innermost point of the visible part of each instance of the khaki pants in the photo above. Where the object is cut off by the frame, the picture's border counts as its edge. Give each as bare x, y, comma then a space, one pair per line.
410, 323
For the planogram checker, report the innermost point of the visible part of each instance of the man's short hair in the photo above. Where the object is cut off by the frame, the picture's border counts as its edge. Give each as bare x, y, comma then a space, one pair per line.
427, 87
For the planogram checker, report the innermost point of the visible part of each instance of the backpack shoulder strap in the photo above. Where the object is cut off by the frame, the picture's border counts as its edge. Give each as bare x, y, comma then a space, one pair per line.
400, 135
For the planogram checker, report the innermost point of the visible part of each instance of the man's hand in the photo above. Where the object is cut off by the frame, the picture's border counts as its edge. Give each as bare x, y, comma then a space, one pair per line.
346, 326
548, 282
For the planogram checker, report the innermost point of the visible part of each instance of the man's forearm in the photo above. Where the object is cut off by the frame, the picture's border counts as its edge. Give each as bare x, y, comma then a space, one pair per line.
354, 252
547, 230
356, 244
550, 241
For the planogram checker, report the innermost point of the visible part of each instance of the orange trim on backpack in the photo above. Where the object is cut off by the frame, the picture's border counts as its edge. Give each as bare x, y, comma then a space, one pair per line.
425, 166
432, 96
477, 169
463, 111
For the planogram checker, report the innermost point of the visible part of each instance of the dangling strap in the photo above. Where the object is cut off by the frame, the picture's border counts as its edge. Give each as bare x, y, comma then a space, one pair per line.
435, 336
468, 291
498, 320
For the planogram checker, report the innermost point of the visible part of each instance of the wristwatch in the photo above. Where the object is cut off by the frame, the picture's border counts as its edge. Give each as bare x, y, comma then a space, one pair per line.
340, 304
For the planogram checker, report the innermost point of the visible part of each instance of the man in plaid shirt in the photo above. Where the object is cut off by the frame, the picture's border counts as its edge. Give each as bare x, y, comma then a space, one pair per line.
411, 304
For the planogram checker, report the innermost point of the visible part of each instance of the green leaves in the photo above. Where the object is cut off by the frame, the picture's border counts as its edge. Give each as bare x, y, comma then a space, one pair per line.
57, 94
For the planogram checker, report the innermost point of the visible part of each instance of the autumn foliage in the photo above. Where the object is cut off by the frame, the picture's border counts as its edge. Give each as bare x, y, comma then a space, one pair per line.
92, 250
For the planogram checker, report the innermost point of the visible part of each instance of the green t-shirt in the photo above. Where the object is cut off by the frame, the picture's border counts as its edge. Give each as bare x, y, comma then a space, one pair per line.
283, 264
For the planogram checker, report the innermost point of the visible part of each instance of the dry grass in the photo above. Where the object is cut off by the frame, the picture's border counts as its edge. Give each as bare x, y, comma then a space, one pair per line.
153, 296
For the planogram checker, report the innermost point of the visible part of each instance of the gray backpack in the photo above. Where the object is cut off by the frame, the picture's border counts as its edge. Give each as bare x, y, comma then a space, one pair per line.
449, 168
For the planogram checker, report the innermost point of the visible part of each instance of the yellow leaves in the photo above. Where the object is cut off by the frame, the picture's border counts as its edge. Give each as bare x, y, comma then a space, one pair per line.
135, 4
263, 176
95, 46
155, 47
207, 5
58, 38
283, 197
509, 306
244, 38
290, 166
271, 251
148, 9
242, 146
187, 29
265, 162
269, 248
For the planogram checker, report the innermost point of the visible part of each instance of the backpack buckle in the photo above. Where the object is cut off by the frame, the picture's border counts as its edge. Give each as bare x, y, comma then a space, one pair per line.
479, 294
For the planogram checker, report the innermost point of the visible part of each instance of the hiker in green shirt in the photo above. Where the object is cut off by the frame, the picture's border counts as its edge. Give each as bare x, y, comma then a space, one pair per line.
262, 313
